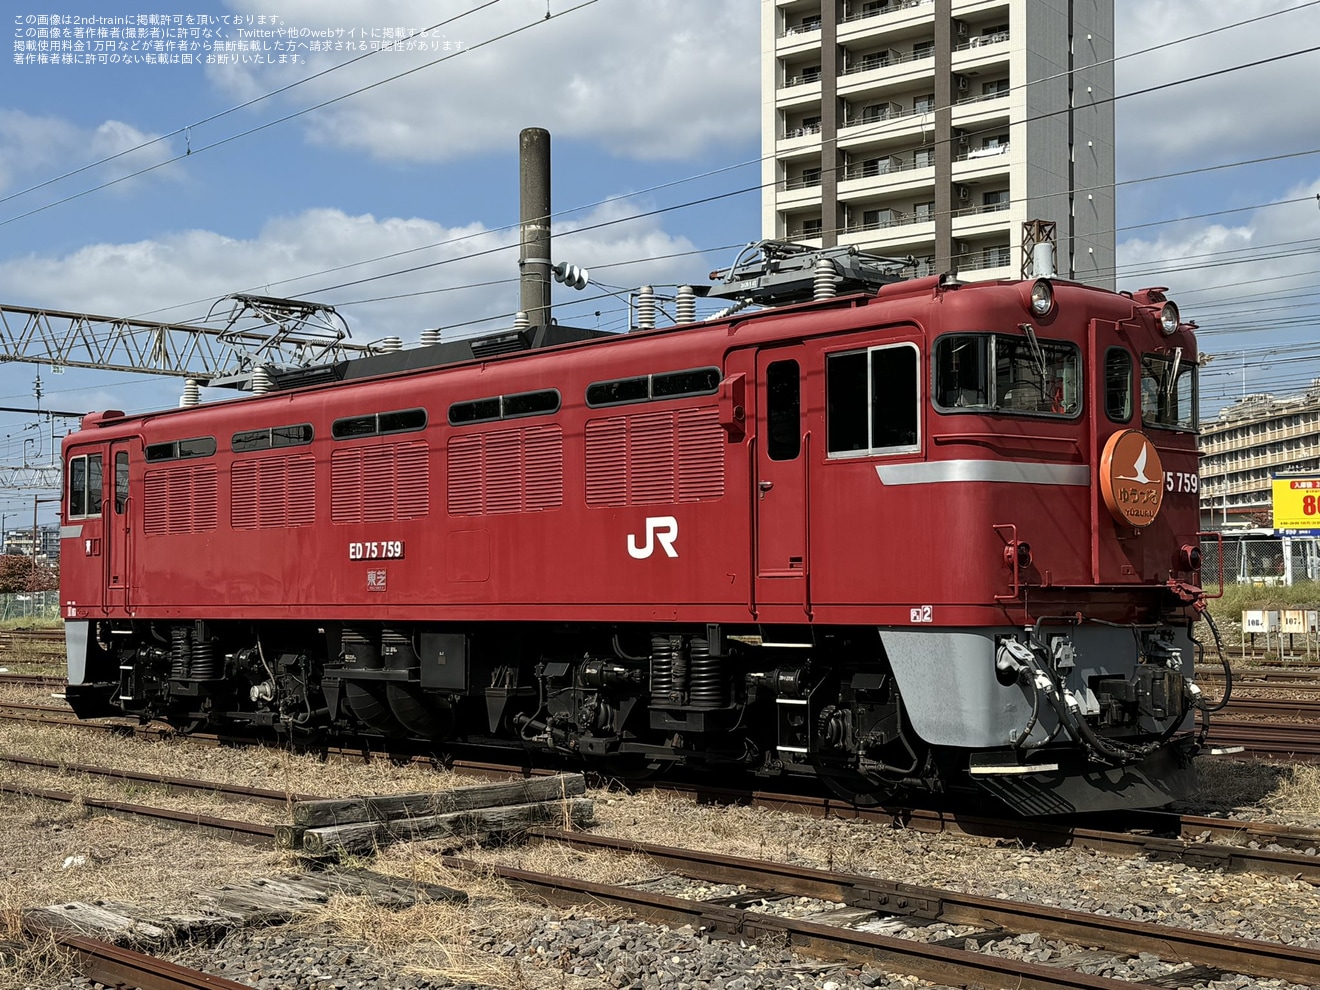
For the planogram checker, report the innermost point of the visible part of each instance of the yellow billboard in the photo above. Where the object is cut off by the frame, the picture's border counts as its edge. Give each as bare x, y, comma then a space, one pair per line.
1296, 503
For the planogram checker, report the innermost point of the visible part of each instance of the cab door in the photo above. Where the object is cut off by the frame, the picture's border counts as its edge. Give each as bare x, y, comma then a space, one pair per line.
83, 582
780, 496
117, 516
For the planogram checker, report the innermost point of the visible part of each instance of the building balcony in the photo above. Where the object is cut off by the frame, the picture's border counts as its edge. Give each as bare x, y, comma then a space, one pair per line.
973, 112
903, 72
907, 126
916, 225
866, 17
971, 221
797, 193
981, 52
982, 163
798, 41
799, 141
798, 91
890, 176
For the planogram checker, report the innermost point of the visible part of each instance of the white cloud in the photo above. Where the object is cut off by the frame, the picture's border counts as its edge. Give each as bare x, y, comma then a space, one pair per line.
646, 80
150, 278
33, 147
1230, 116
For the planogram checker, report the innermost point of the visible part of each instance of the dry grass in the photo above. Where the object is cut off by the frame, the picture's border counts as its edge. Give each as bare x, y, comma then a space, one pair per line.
1290, 791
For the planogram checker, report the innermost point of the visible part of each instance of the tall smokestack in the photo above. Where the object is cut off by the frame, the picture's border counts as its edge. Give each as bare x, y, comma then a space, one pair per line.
534, 216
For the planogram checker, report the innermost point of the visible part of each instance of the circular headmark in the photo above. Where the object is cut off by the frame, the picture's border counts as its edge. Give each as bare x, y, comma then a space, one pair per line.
1132, 478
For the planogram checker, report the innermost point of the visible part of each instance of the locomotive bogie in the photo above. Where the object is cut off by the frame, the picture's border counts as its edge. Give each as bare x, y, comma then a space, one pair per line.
929, 535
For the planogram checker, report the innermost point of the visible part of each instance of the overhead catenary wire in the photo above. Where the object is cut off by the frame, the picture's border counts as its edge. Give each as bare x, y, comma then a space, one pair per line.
297, 113
1119, 58
1208, 168
185, 128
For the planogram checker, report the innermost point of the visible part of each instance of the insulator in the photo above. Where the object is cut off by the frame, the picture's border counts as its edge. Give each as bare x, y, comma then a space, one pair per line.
192, 393
203, 661
573, 276
707, 684
741, 304
388, 344
260, 381
825, 283
180, 650
521, 321
430, 337
685, 309
646, 308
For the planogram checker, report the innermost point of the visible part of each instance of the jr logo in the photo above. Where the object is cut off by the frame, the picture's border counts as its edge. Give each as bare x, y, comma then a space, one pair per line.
659, 529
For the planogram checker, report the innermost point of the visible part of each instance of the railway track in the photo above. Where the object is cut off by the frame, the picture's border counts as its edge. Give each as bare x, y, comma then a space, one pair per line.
994, 919
116, 966
855, 897
1195, 840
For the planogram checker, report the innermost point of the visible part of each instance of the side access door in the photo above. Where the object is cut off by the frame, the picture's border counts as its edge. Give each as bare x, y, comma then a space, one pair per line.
783, 565
118, 531
83, 550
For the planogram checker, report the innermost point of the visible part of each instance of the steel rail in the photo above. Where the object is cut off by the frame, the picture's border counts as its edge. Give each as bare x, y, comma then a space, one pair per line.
267, 795
239, 831
1248, 957
119, 967
33, 680
928, 961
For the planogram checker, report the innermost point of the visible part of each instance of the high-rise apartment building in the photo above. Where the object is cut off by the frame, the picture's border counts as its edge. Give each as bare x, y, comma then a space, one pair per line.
936, 128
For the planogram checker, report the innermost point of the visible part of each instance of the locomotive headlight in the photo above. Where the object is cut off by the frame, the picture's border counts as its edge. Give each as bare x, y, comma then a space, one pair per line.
1042, 297
1168, 319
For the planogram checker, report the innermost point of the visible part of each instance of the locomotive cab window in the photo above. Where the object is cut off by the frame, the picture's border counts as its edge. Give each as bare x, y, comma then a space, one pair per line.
84, 494
783, 410
1168, 391
872, 398
1118, 385
1007, 373
121, 481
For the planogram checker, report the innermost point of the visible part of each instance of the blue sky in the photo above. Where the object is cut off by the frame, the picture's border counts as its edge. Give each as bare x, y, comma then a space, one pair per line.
638, 96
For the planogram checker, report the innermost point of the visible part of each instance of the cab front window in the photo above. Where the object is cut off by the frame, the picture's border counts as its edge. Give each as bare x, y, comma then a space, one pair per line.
84, 494
1007, 373
1168, 391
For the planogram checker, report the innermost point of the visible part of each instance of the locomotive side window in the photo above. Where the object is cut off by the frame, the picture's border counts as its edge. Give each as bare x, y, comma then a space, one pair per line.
872, 400
668, 385
121, 481
179, 449
400, 421
499, 407
783, 391
278, 436
85, 486
1118, 385
616, 392
702, 381
1168, 391
1007, 373
404, 421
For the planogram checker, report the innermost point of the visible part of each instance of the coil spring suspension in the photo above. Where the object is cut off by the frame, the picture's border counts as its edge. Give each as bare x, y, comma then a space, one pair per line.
707, 686
203, 661
180, 652
667, 682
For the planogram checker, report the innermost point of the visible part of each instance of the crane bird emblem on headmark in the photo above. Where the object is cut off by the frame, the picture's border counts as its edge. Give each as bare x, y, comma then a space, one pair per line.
1131, 478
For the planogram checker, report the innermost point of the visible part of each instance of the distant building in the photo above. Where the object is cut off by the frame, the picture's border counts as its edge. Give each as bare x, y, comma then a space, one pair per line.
936, 128
1253, 439
18, 542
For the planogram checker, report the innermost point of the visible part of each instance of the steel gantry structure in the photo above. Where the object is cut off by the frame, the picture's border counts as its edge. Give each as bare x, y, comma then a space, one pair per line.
292, 333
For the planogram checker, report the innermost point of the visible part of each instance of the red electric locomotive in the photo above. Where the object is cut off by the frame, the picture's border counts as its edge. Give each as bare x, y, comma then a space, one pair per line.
914, 534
